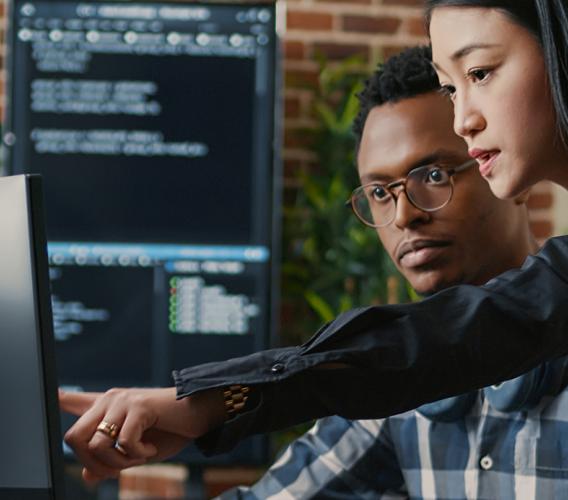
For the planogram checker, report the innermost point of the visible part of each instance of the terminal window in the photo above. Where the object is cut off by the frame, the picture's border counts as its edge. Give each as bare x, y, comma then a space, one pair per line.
153, 126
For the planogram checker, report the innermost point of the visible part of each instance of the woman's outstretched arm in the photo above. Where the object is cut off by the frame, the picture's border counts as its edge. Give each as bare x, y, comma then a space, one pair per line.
378, 361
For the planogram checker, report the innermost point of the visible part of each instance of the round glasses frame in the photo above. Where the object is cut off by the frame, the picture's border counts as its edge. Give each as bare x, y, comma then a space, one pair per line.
401, 183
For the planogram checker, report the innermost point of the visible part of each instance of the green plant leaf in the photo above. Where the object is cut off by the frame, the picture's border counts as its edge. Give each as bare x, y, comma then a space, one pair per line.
327, 115
345, 303
351, 109
319, 305
331, 262
414, 297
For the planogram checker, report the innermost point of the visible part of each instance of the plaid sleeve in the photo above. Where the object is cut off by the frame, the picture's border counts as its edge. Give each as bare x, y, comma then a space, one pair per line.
329, 461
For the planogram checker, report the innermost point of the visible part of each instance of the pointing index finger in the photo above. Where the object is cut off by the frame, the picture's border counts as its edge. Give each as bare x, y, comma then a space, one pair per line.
77, 403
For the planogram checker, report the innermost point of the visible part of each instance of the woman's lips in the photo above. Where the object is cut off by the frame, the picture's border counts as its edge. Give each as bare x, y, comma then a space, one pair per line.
485, 158
423, 255
486, 165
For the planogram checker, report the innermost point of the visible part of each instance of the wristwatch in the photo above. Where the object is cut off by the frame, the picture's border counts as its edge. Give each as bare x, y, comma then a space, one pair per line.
235, 397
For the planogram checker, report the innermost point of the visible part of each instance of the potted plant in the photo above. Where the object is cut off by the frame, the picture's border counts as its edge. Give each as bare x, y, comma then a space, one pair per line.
331, 262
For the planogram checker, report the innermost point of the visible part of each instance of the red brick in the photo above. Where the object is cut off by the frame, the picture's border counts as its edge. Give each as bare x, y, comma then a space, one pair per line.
291, 167
315, 167
297, 138
366, 24
411, 3
541, 201
347, 2
287, 312
291, 107
161, 487
301, 78
342, 50
391, 50
416, 26
294, 49
299, 20
541, 228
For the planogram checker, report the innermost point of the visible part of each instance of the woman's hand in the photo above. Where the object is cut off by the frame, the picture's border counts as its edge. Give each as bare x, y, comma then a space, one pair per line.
123, 428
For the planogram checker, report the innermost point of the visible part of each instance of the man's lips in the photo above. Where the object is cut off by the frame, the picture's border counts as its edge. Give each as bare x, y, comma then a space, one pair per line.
416, 253
485, 158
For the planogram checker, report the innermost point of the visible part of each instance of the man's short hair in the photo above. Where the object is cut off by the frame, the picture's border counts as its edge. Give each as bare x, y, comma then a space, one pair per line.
404, 75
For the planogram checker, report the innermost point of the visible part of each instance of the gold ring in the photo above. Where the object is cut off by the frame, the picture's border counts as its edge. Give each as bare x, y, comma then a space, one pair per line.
108, 429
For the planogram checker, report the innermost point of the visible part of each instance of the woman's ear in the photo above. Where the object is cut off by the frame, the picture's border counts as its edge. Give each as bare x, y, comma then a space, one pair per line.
523, 197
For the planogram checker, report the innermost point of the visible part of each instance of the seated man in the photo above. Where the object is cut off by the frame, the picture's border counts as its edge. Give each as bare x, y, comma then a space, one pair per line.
441, 226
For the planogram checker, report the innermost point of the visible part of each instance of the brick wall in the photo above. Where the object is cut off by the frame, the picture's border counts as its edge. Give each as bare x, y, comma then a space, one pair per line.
336, 29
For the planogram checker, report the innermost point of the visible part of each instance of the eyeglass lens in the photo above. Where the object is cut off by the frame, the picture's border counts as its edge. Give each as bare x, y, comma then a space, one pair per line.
428, 188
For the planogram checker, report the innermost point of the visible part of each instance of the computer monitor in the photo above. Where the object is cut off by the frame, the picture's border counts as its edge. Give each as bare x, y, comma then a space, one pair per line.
31, 466
153, 126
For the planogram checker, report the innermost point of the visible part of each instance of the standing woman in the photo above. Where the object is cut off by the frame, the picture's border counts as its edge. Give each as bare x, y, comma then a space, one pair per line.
504, 64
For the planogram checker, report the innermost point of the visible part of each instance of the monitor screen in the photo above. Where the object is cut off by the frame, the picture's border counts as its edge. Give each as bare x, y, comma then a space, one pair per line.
30, 455
152, 124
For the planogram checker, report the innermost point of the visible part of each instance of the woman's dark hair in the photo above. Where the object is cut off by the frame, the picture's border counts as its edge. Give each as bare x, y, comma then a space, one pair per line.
548, 21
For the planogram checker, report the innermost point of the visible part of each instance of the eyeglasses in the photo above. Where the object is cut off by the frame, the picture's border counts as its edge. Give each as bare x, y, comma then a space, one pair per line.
428, 188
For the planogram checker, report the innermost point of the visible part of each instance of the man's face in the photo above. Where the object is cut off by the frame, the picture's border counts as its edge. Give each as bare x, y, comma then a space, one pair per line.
470, 240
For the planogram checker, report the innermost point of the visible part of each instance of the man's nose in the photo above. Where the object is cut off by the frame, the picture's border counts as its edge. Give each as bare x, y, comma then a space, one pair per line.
407, 215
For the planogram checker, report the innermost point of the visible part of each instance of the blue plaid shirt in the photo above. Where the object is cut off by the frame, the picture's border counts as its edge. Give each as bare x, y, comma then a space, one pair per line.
486, 455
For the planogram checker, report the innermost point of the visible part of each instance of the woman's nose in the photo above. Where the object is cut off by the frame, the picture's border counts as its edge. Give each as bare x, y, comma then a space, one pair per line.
468, 119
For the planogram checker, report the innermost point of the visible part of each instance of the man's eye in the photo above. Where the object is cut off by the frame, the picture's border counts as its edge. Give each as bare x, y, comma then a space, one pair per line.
448, 90
379, 193
436, 176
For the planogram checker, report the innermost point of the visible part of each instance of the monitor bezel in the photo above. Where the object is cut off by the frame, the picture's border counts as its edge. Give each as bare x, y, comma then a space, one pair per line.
29, 202
44, 323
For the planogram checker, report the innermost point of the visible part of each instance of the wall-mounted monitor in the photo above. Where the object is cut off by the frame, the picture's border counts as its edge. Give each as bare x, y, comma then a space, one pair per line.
153, 125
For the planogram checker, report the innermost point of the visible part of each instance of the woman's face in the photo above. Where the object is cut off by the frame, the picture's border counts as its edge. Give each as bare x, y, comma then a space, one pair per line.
494, 71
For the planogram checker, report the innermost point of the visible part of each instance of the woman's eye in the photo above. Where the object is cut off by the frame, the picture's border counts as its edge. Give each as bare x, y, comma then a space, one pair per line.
478, 74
